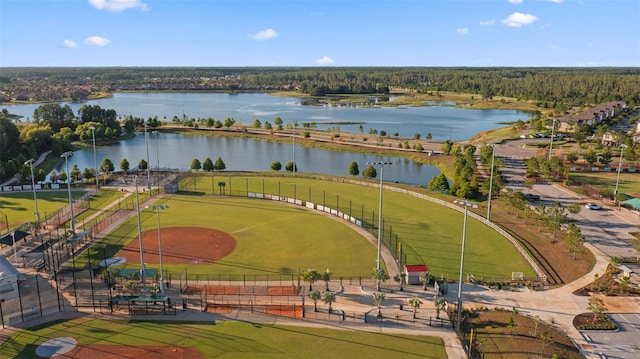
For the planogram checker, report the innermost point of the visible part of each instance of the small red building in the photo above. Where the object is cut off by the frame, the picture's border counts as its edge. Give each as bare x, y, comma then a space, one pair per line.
412, 272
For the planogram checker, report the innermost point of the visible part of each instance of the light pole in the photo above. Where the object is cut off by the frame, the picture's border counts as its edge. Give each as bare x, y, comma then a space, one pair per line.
156, 132
66, 156
615, 193
464, 239
381, 163
95, 158
293, 147
33, 187
157, 208
146, 142
553, 128
13, 237
142, 270
493, 152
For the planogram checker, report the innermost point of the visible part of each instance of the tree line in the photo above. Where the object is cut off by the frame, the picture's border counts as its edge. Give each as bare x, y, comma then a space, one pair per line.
549, 87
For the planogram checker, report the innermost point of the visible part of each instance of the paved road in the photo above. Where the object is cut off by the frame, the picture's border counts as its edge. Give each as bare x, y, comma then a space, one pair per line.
606, 235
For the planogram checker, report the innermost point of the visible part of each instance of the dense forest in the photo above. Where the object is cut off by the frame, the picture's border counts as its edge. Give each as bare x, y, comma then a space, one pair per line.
571, 86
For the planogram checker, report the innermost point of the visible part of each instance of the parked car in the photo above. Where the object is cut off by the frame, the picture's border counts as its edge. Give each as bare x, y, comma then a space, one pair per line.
531, 197
593, 206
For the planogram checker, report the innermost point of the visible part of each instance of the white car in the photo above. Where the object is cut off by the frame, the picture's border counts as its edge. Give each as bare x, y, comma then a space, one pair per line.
593, 206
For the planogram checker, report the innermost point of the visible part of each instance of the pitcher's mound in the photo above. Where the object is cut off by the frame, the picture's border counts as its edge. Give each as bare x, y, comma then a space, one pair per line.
181, 245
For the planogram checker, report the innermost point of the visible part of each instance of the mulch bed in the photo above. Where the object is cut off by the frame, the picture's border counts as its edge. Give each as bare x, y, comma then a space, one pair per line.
181, 245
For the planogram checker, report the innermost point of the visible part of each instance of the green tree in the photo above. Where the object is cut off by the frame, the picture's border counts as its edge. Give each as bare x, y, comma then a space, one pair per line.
380, 275
597, 307
62, 176
439, 303
439, 183
400, 279
88, 173
207, 164
315, 296
575, 238
228, 122
591, 157
310, 276
425, 278
414, 303
378, 300
326, 277
257, 123
106, 166
142, 165
605, 157
219, 165
276, 166
195, 164
124, 165
353, 169
329, 298
370, 172
76, 174
291, 167
278, 122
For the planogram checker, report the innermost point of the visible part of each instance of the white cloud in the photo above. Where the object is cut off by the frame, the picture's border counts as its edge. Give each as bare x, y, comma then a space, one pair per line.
96, 41
324, 60
118, 5
515, 1
518, 19
463, 30
267, 34
487, 23
556, 1
69, 43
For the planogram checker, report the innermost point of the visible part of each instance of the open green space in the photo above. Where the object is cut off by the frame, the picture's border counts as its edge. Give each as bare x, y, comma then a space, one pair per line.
271, 238
276, 238
229, 339
19, 207
628, 183
103, 198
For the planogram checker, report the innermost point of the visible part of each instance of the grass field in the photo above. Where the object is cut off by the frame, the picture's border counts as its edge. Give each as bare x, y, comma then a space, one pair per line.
19, 207
432, 234
229, 340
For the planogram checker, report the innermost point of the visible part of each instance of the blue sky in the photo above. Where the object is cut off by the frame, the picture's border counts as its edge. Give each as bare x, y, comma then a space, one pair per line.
557, 33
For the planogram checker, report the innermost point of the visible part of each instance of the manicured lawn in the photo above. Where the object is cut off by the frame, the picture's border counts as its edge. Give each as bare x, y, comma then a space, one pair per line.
271, 237
103, 198
20, 206
430, 233
229, 340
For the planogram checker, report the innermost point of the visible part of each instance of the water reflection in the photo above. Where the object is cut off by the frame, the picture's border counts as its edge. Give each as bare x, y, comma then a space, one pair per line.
176, 151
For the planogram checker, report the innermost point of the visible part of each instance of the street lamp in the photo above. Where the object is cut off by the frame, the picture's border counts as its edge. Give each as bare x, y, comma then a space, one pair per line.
493, 152
33, 187
615, 193
142, 271
156, 132
95, 158
293, 147
157, 208
146, 142
464, 239
381, 163
66, 156
553, 127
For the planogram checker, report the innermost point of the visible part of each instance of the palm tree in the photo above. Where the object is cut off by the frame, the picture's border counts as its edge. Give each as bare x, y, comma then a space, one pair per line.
380, 275
311, 276
329, 298
425, 277
378, 299
439, 302
414, 303
326, 277
399, 278
315, 296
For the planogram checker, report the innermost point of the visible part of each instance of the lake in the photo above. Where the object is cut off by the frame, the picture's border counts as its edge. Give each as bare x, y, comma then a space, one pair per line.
443, 122
176, 151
